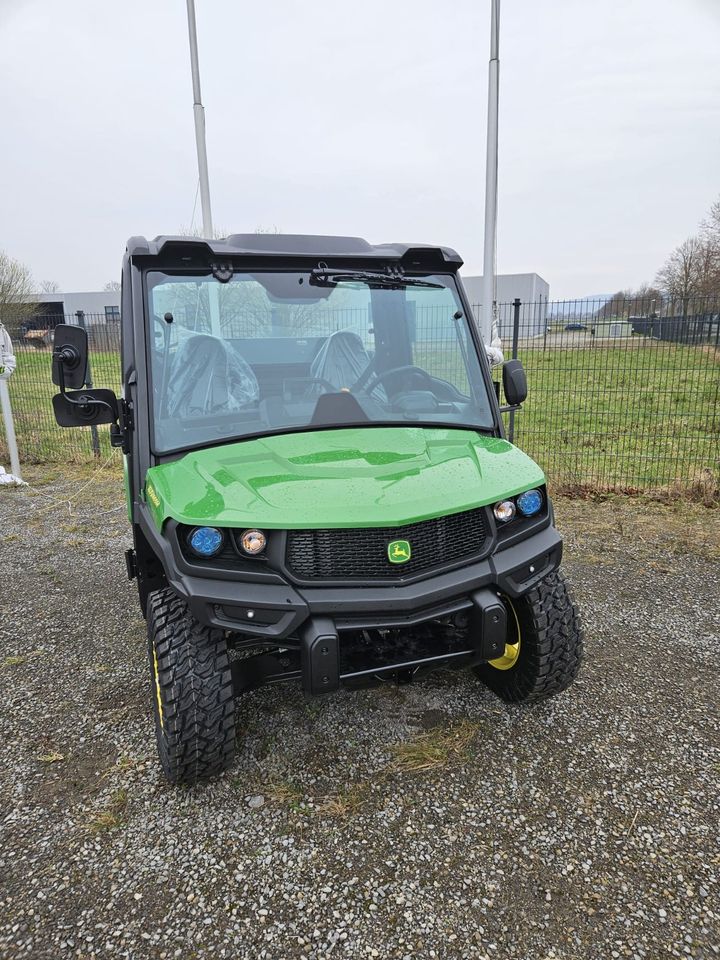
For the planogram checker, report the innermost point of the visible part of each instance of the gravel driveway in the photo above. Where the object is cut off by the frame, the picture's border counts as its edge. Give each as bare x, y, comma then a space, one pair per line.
418, 821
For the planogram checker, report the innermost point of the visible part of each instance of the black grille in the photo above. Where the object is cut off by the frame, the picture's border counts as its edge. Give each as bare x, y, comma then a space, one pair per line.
362, 554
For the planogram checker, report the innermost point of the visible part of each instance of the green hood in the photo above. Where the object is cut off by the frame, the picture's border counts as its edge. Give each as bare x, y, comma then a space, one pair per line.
360, 477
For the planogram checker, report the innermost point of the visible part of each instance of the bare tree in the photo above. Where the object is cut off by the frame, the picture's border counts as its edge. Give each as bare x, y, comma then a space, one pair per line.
646, 300
710, 226
17, 298
244, 309
219, 233
679, 277
49, 286
632, 303
710, 234
112, 286
708, 269
693, 269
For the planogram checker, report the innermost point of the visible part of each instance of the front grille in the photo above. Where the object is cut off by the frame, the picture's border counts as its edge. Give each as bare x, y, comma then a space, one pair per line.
361, 554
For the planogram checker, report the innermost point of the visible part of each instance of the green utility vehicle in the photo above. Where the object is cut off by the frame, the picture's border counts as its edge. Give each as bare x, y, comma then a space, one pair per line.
317, 480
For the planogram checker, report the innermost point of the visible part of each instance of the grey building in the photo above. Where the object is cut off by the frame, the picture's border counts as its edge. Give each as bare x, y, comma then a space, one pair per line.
529, 288
98, 306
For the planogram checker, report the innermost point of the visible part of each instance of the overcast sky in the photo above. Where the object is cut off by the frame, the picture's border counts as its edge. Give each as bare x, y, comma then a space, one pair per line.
365, 119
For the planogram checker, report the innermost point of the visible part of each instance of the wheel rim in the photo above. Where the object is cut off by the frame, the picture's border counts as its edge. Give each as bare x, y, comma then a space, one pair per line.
512, 650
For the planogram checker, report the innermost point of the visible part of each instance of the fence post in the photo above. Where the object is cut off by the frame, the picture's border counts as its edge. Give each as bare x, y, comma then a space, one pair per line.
9, 429
94, 438
514, 353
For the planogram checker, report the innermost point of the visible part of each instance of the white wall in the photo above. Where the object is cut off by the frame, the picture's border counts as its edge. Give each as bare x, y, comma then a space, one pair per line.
92, 302
533, 293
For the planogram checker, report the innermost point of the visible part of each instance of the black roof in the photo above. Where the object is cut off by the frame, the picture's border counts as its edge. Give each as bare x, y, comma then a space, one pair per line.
296, 245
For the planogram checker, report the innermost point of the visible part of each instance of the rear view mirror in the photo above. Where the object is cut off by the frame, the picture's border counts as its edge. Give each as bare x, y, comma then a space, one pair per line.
70, 356
83, 408
514, 383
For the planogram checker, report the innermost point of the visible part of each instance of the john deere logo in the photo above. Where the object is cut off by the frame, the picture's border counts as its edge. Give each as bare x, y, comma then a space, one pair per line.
399, 551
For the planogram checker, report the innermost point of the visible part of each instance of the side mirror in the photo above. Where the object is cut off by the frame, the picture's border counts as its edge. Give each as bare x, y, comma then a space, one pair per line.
84, 408
514, 383
77, 407
70, 357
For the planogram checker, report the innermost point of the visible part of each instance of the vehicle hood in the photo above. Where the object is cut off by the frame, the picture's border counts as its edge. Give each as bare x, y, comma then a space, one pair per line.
358, 477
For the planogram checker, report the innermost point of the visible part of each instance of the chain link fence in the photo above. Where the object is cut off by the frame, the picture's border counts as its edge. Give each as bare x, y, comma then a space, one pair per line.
623, 394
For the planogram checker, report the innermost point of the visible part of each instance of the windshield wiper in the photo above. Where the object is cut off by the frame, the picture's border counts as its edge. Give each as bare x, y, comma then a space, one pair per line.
393, 277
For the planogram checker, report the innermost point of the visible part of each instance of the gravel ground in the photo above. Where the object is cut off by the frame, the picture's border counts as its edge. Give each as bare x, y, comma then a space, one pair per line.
586, 827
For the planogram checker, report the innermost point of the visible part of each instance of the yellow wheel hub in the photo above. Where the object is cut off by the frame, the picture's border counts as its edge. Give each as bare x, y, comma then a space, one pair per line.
512, 650
157, 688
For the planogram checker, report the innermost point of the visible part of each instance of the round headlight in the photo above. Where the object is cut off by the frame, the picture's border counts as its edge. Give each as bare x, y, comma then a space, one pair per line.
530, 502
504, 511
206, 541
253, 542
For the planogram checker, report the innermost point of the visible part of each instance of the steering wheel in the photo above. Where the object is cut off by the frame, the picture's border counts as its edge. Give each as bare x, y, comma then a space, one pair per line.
384, 374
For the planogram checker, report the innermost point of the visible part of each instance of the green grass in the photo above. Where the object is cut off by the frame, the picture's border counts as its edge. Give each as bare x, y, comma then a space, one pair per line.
39, 438
631, 413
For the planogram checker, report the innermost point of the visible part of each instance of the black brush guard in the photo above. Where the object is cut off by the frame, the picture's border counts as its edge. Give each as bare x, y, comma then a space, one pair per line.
326, 656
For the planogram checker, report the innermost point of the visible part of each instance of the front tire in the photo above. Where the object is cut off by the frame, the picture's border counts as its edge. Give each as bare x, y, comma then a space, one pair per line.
192, 691
544, 647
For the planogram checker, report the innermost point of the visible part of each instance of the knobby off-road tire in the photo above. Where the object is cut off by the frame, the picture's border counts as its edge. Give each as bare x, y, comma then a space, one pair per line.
551, 645
192, 691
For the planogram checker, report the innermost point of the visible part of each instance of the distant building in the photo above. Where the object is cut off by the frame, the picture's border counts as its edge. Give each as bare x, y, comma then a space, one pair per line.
530, 289
98, 307
612, 329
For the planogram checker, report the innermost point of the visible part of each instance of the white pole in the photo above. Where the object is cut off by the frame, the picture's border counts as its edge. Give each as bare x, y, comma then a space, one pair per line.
491, 178
199, 125
9, 429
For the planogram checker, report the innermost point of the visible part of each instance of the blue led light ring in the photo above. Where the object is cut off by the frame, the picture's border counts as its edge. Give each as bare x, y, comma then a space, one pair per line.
530, 502
206, 541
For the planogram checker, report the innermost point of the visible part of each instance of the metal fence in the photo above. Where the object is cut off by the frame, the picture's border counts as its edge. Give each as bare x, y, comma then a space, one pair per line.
622, 396
623, 393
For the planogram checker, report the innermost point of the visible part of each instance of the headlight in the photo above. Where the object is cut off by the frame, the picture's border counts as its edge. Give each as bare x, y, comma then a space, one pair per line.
504, 511
253, 542
206, 541
530, 502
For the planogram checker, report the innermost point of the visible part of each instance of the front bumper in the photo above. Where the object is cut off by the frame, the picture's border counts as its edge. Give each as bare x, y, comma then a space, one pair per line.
276, 611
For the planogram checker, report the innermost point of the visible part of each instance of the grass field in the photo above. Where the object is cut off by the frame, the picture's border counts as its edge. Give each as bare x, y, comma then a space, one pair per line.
633, 414
40, 440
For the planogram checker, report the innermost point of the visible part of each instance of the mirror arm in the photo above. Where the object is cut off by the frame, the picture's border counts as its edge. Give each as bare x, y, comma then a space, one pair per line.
65, 355
120, 428
69, 355
508, 408
88, 402
61, 356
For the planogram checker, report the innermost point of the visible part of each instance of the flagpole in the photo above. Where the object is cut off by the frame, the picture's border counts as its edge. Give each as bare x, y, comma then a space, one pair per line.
199, 112
491, 178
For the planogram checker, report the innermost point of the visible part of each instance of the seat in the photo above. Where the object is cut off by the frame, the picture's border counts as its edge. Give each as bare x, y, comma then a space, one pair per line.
342, 360
207, 376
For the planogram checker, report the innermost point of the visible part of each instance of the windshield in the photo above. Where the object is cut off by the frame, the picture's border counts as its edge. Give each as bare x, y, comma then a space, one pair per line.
270, 352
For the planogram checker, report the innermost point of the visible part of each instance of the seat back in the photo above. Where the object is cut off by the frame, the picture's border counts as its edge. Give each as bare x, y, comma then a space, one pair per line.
207, 376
